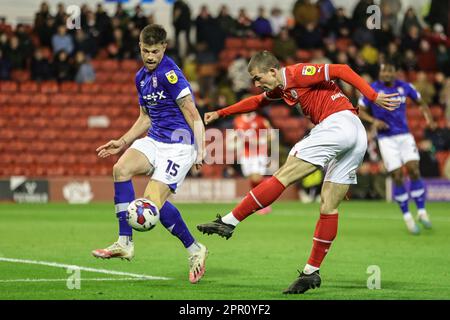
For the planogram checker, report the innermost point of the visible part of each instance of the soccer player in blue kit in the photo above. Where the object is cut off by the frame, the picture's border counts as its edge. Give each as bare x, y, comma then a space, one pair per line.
174, 143
396, 143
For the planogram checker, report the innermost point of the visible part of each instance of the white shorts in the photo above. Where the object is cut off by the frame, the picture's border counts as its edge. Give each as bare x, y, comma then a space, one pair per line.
398, 150
337, 144
171, 162
254, 165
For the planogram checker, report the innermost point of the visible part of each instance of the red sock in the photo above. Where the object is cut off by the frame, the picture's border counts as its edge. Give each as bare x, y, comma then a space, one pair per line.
326, 230
264, 194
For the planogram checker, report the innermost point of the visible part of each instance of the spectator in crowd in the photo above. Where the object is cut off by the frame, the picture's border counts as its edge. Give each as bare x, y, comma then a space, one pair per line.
410, 19
99, 26
305, 12
327, 10
261, 25
84, 42
41, 69
239, 77
63, 69
360, 15
15, 54
61, 15
208, 31
62, 40
5, 67
206, 63
389, 11
139, 18
393, 53
121, 15
46, 31
244, 24
277, 21
117, 49
426, 58
84, 70
411, 40
339, 25
41, 16
428, 165
319, 57
308, 36
425, 87
226, 22
181, 20
383, 36
284, 46
438, 13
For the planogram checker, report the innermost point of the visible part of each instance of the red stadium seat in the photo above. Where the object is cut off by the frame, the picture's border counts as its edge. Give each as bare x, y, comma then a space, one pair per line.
90, 88
20, 75
110, 88
60, 99
38, 147
303, 55
437, 112
49, 87
130, 65
69, 87
234, 43
29, 87
49, 134
8, 86
108, 65
127, 88
21, 98
4, 98
40, 99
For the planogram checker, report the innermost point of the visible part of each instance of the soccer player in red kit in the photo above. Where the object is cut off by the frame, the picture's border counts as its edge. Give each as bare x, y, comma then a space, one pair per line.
252, 131
337, 143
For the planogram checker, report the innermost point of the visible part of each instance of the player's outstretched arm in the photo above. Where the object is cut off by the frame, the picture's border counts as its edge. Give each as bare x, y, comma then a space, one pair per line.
246, 105
344, 72
115, 146
194, 121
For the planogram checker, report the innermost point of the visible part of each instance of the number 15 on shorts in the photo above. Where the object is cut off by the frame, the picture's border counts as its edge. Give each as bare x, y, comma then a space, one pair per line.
172, 168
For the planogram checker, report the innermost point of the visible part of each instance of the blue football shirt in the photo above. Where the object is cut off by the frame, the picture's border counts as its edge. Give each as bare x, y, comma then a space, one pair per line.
158, 91
396, 119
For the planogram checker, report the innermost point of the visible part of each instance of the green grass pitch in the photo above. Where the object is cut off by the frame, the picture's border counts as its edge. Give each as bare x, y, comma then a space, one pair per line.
258, 262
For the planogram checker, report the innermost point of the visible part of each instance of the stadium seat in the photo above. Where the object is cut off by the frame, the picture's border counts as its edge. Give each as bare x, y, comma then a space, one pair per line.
234, 43
60, 99
29, 87
49, 134
130, 65
90, 88
303, 55
8, 86
111, 88
37, 147
127, 88
56, 170
20, 75
437, 112
69, 87
49, 87
108, 65
21, 98
4, 98
40, 99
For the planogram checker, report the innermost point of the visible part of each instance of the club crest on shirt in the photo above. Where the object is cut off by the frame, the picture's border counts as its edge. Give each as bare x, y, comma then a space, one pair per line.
155, 82
294, 94
142, 83
309, 70
172, 77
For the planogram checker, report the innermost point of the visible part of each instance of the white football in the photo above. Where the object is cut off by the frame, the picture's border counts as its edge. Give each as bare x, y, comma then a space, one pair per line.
143, 215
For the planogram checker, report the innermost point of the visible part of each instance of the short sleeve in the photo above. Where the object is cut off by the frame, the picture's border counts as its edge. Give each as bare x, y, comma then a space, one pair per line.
175, 83
138, 89
412, 92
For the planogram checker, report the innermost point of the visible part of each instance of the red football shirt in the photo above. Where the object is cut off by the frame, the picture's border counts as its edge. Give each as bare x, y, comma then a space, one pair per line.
312, 87
249, 127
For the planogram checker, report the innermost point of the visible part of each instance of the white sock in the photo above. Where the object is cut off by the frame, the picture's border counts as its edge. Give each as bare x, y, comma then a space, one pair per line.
125, 241
230, 219
309, 269
422, 212
193, 248
408, 216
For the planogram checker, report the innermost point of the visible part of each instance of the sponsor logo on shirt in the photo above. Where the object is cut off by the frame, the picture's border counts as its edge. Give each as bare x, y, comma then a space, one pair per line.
338, 95
172, 77
153, 97
309, 70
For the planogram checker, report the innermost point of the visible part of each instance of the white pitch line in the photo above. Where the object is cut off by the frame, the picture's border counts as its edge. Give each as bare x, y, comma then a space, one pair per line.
65, 266
65, 280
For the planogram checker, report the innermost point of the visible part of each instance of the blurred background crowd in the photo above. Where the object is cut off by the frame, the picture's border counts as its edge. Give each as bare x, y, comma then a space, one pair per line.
213, 49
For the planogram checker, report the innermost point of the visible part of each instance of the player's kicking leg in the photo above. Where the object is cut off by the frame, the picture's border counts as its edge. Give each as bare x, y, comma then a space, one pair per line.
259, 197
131, 163
324, 234
417, 192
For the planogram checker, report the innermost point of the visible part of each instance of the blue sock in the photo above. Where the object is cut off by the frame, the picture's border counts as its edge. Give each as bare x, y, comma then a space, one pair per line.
401, 196
171, 219
123, 195
417, 191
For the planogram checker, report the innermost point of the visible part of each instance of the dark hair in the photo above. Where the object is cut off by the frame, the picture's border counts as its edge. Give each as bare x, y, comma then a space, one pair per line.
389, 62
264, 61
153, 34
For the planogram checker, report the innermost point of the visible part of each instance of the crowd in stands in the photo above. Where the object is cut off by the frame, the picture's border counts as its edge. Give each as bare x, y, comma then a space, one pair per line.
313, 31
